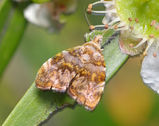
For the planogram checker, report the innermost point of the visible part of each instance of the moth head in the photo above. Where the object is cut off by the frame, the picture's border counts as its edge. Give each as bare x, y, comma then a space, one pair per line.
98, 39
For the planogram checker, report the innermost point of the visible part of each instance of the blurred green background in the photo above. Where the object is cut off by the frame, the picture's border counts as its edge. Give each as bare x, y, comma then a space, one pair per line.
126, 100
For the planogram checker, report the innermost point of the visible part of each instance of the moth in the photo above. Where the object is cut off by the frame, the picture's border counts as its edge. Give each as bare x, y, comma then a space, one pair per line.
79, 71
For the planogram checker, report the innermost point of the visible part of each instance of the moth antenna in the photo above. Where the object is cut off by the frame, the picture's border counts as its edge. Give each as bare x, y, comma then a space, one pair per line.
86, 18
91, 27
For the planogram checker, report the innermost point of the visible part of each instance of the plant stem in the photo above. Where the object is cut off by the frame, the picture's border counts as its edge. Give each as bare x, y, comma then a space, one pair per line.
11, 38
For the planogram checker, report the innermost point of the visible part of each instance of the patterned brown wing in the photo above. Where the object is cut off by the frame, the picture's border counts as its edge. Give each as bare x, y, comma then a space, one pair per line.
55, 74
88, 85
81, 70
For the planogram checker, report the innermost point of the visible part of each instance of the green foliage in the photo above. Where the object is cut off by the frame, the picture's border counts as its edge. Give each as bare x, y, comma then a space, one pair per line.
40, 1
36, 105
12, 26
5, 8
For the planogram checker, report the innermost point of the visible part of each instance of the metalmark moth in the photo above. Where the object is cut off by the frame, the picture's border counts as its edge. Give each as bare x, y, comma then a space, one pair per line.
79, 71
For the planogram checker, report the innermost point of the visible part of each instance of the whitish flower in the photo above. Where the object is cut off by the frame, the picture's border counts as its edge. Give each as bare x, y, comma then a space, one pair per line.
138, 23
47, 15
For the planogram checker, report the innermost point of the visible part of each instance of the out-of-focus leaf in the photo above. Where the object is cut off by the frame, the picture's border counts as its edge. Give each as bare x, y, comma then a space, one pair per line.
5, 7
11, 37
36, 105
8, 99
40, 1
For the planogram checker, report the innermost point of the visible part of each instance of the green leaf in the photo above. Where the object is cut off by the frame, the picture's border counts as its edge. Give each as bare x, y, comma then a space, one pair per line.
11, 37
5, 8
40, 1
36, 105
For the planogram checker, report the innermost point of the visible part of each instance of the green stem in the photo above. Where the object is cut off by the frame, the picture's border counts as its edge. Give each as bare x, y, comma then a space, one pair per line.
11, 38
5, 8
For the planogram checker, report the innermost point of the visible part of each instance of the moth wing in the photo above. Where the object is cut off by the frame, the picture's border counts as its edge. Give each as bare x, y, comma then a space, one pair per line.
88, 85
81, 70
55, 74
86, 92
